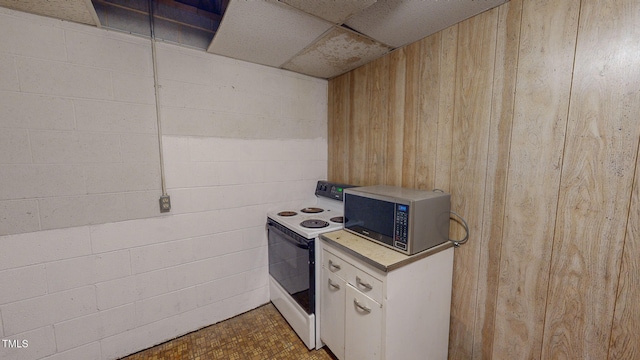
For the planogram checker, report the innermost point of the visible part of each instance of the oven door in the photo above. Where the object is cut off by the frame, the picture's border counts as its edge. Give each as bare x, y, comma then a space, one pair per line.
292, 264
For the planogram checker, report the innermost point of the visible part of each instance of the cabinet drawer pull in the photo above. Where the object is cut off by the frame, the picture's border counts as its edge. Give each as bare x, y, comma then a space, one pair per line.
335, 286
361, 307
334, 266
363, 284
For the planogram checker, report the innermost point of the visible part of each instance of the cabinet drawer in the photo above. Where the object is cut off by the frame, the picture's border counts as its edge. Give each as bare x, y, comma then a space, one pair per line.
337, 265
366, 284
359, 279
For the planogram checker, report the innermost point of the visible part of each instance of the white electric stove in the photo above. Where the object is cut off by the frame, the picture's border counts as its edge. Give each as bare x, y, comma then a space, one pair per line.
294, 251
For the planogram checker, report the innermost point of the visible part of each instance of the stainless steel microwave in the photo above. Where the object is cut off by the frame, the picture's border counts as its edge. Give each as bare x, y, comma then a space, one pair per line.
406, 220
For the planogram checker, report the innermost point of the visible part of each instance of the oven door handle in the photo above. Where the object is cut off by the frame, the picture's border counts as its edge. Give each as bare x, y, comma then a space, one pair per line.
288, 238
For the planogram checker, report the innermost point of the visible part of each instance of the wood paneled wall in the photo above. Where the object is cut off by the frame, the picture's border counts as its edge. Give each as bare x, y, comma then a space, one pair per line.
529, 115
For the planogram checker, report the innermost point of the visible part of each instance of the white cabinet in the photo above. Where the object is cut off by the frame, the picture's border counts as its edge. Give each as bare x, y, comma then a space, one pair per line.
349, 319
332, 306
363, 326
397, 312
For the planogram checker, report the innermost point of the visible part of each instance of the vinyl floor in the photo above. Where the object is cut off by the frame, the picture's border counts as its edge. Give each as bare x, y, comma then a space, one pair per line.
259, 334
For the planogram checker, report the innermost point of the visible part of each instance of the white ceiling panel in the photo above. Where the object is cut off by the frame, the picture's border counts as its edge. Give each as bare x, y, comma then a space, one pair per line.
336, 11
401, 22
80, 11
337, 52
265, 32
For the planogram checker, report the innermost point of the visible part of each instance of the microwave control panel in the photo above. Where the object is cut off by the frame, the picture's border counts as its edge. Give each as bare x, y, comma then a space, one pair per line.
401, 226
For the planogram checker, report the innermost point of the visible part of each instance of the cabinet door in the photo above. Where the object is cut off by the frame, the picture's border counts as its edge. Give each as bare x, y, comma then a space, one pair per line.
363, 330
332, 309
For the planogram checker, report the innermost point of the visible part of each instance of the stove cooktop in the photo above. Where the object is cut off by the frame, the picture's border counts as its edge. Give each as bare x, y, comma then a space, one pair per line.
325, 215
309, 225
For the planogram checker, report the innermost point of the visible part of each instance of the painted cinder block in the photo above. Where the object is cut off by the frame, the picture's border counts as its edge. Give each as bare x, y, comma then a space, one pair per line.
129, 234
128, 342
194, 273
256, 278
32, 180
22, 283
47, 310
220, 289
158, 256
165, 305
63, 79
114, 116
31, 38
187, 95
18, 216
209, 246
122, 177
14, 147
39, 344
93, 327
87, 270
150, 284
38, 247
71, 147
118, 292
34, 111
8, 72
139, 148
132, 88
71, 211
184, 122
105, 52
176, 148
86, 352
142, 204
175, 63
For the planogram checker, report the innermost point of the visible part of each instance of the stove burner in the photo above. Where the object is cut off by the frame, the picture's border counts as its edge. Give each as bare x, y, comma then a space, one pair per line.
312, 210
314, 224
287, 213
337, 219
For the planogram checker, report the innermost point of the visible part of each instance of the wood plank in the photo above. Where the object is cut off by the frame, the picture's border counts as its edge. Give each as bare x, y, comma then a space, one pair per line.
547, 41
446, 102
597, 179
427, 126
508, 39
379, 110
411, 114
474, 80
395, 123
626, 319
359, 126
338, 129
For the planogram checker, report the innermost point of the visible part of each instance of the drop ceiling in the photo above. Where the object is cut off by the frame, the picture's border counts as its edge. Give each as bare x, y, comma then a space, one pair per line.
320, 38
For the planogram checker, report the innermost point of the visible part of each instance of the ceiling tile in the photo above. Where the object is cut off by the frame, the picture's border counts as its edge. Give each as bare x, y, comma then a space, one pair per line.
401, 22
337, 52
265, 32
80, 11
336, 11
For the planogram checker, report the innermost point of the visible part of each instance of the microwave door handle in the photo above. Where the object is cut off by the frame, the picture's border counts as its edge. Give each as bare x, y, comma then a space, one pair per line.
289, 238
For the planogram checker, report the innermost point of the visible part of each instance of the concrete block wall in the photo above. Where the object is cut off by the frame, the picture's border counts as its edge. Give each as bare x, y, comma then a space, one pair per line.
75, 149
89, 269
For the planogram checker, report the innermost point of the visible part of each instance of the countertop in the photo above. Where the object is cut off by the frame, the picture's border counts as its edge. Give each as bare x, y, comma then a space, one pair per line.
376, 255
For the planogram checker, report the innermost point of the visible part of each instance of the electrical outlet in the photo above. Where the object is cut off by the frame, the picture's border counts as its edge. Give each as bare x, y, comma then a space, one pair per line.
165, 203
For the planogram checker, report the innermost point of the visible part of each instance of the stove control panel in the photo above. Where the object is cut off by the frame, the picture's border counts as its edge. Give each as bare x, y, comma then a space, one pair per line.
331, 190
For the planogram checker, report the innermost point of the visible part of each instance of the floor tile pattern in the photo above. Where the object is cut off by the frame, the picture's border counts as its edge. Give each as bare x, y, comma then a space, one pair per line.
259, 334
